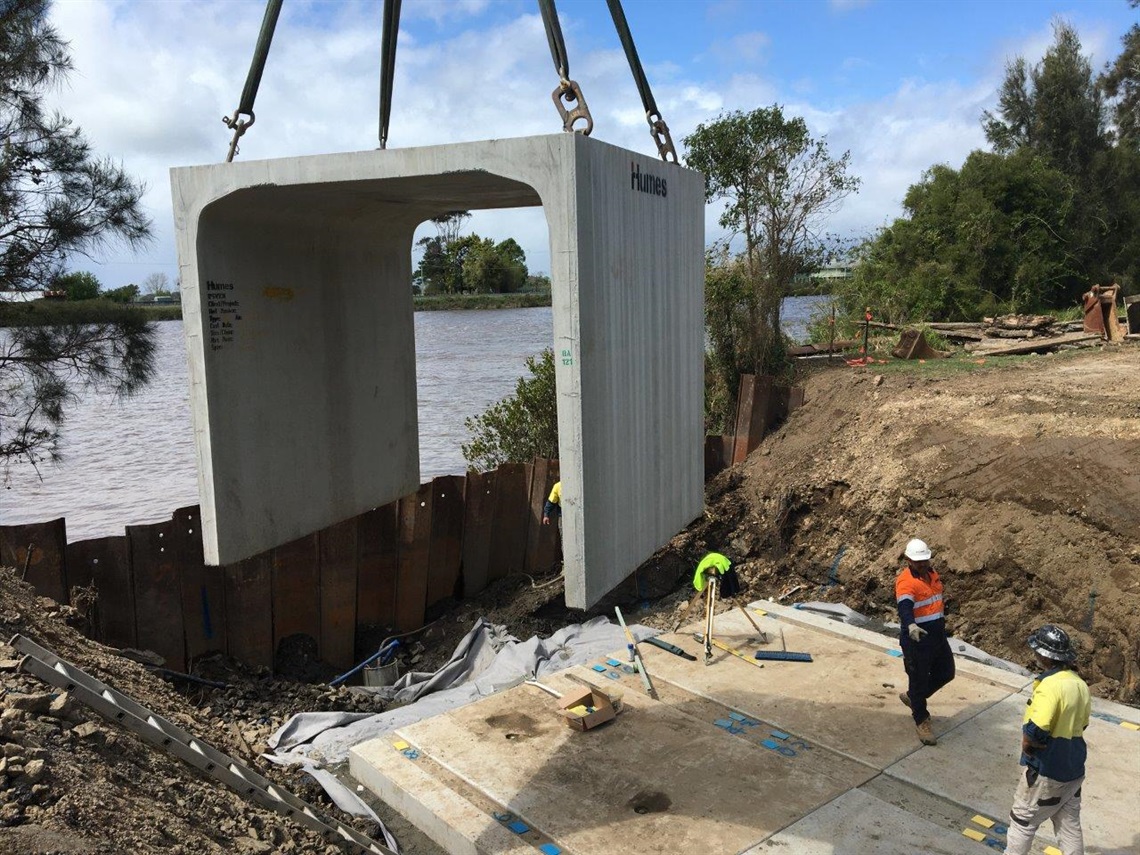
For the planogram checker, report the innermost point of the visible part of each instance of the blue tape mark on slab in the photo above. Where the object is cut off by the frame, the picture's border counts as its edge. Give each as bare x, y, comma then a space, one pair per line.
550, 849
894, 653
994, 843
613, 663
1106, 717
600, 668
502, 817
737, 716
519, 827
613, 675
768, 743
998, 828
779, 734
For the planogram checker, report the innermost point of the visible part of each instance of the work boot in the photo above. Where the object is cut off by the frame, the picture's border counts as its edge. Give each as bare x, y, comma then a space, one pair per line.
905, 698
926, 732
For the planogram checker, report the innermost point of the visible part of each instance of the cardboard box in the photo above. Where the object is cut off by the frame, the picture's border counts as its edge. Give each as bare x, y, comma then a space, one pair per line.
586, 708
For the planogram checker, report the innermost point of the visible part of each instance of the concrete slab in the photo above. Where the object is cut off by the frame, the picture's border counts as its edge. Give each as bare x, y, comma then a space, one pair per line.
733, 758
296, 299
846, 699
976, 765
859, 822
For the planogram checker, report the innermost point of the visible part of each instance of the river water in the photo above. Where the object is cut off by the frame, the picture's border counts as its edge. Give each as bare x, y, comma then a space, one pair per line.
131, 462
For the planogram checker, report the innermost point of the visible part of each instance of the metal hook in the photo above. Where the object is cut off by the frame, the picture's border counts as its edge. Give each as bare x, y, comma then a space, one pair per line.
570, 92
239, 126
660, 133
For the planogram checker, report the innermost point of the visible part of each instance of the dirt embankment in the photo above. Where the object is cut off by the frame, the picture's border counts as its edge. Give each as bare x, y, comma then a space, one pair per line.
1023, 477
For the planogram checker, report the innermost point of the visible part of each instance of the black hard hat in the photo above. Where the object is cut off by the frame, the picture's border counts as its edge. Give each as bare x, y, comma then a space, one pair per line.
1052, 642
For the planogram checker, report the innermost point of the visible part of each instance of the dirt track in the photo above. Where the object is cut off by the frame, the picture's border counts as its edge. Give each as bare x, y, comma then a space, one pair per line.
1024, 477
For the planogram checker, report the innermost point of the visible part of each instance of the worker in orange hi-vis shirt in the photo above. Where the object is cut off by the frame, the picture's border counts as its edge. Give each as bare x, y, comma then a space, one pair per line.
926, 651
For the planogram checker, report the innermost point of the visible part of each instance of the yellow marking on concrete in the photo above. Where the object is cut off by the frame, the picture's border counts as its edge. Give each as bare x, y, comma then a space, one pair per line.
1131, 725
761, 612
982, 821
1052, 850
974, 834
400, 745
274, 293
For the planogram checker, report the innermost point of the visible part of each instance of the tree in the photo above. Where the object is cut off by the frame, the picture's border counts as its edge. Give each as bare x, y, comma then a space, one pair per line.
779, 184
57, 200
728, 300
1054, 108
156, 283
125, 294
1120, 82
491, 268
79, 286
521, 426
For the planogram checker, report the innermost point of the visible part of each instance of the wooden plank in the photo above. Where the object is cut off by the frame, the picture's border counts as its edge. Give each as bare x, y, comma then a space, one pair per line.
378, 559
338, 593
512, 509
46, 567
541, 541
744, 396
202, 588
479, 500
415, 543
765, 398
158, 594
297, 591
105, 564
1035, 345
445, 553
249, 610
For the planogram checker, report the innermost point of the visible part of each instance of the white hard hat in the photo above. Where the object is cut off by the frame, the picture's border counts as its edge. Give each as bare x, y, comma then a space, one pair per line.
917, 550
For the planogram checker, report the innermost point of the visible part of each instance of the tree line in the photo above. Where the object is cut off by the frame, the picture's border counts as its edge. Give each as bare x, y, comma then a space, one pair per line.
1051, 208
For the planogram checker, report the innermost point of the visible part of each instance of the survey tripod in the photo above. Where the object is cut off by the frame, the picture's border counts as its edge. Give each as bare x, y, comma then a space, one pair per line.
712, 583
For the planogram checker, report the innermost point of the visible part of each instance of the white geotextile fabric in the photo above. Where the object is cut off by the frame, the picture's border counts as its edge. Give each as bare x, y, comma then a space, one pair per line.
486, 661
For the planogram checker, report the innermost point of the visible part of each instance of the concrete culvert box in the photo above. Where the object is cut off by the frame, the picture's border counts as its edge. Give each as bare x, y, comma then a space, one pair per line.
297, 303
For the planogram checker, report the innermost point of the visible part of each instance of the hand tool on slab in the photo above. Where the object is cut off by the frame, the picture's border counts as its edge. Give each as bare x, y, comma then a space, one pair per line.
672, 648
783, 656
762, 636
636, 656
737, 653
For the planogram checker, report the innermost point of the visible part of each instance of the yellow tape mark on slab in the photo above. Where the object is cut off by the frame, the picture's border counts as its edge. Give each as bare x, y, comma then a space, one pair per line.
400, 745
1130, 725
973, 834
761, 612
982, 821
1052, 850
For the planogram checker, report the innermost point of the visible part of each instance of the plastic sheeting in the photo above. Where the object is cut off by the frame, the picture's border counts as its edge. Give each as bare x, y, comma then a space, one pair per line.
486, 661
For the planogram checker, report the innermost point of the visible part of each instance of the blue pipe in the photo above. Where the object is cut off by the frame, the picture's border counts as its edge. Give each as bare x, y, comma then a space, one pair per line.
388, 647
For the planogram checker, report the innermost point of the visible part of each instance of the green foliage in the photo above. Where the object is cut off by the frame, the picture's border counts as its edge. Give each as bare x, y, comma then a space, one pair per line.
470, 265
521, 426
729, 304
58, 200
1027, 227
779, 185
94, 345
1121, 84
79, 286
125, 294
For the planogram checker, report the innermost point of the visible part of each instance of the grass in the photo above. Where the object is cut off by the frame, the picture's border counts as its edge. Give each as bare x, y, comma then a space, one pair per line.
80, 311
439, 302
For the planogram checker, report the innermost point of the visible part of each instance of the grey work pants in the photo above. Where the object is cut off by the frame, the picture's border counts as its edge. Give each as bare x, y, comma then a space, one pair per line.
1037, 799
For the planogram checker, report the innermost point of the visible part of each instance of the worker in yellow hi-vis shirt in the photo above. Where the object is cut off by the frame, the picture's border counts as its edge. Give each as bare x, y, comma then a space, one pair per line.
1053, 748
553, 506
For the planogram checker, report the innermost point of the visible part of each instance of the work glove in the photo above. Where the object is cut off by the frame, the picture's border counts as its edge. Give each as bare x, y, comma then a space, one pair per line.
916, 632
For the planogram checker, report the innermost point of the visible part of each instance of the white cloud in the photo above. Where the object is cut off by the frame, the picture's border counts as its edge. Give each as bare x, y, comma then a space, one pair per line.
154, 79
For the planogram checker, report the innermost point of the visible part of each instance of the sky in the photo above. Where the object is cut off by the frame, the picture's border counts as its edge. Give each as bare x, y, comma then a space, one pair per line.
901, 84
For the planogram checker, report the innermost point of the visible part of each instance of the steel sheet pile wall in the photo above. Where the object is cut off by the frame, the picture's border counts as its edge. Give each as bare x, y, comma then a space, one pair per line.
383, 568
761, 405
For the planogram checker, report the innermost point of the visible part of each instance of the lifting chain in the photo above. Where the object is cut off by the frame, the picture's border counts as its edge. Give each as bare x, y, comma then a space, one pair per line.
260, 53
657, 127
568, 98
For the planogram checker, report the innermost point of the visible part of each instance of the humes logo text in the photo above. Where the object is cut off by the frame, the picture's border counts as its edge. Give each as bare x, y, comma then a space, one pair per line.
646, 183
